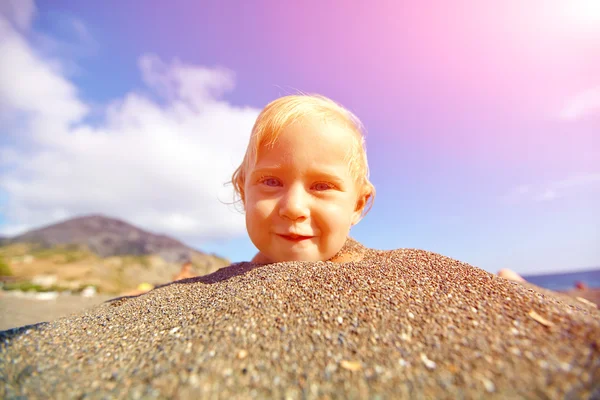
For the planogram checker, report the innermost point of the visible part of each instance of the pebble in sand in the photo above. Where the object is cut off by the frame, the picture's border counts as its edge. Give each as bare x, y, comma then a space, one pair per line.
382, 324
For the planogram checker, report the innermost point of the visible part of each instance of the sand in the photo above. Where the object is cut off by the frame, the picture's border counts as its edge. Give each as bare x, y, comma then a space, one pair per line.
19, 310
390, 324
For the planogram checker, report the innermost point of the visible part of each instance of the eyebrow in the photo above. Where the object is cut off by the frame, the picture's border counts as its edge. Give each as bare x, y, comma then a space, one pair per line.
327, 176
266, 170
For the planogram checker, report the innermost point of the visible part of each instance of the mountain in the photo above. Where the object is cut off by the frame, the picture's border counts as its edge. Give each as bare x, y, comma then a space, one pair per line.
108, 253
107, 237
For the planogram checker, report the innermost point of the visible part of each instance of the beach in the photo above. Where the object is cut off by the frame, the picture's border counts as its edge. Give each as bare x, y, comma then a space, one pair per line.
18, 309
395, 324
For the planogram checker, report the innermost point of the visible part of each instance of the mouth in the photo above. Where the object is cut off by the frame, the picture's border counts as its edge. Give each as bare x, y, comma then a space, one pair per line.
294, 238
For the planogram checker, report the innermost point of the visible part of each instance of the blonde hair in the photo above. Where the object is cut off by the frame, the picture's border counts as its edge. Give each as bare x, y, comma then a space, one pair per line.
283, 112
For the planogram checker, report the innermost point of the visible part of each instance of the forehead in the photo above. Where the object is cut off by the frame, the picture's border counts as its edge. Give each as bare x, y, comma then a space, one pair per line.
311, 133
309, 150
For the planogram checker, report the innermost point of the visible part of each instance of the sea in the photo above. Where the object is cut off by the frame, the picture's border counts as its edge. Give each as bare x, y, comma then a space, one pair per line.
566, 280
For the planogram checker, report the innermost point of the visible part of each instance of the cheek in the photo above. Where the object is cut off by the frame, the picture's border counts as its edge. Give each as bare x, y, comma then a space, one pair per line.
260, 209
336, 216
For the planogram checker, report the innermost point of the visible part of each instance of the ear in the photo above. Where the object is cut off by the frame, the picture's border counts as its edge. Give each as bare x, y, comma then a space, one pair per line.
361, 203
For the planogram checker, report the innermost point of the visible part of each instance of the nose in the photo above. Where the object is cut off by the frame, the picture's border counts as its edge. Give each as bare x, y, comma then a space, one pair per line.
294, 205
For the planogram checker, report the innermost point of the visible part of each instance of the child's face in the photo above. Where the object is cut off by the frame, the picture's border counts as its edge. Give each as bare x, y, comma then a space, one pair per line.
301, 199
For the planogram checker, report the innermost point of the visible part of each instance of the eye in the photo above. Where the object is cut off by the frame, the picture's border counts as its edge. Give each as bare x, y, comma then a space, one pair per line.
271, 182
321, 186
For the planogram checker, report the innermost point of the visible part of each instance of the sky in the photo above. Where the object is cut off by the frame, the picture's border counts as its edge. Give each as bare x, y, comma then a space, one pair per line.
482, 118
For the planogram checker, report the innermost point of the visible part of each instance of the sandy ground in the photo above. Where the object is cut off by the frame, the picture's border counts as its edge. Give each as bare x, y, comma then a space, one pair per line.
16, 311
395, 324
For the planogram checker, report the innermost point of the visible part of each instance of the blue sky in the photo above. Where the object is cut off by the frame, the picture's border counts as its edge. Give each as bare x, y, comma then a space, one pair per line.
483, 120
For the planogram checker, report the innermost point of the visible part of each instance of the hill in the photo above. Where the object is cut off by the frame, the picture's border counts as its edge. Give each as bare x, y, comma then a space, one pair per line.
107, 237
105, 252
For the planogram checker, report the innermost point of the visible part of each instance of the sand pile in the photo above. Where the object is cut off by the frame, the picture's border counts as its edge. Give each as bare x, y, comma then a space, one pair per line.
404, 323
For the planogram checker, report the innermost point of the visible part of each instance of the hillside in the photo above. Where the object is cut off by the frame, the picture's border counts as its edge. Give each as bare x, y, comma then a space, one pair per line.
107, 237
108, 253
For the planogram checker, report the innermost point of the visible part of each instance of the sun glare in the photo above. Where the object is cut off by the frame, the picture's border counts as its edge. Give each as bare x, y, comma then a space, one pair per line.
583, 12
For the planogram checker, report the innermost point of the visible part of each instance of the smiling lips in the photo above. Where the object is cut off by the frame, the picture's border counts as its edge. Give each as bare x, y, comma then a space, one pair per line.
295, 238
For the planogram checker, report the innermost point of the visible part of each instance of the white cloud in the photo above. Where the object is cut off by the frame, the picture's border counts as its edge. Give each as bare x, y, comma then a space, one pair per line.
582, 104
29, 84
547, 195
161, 166
20, 12
194, 85
553, 190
